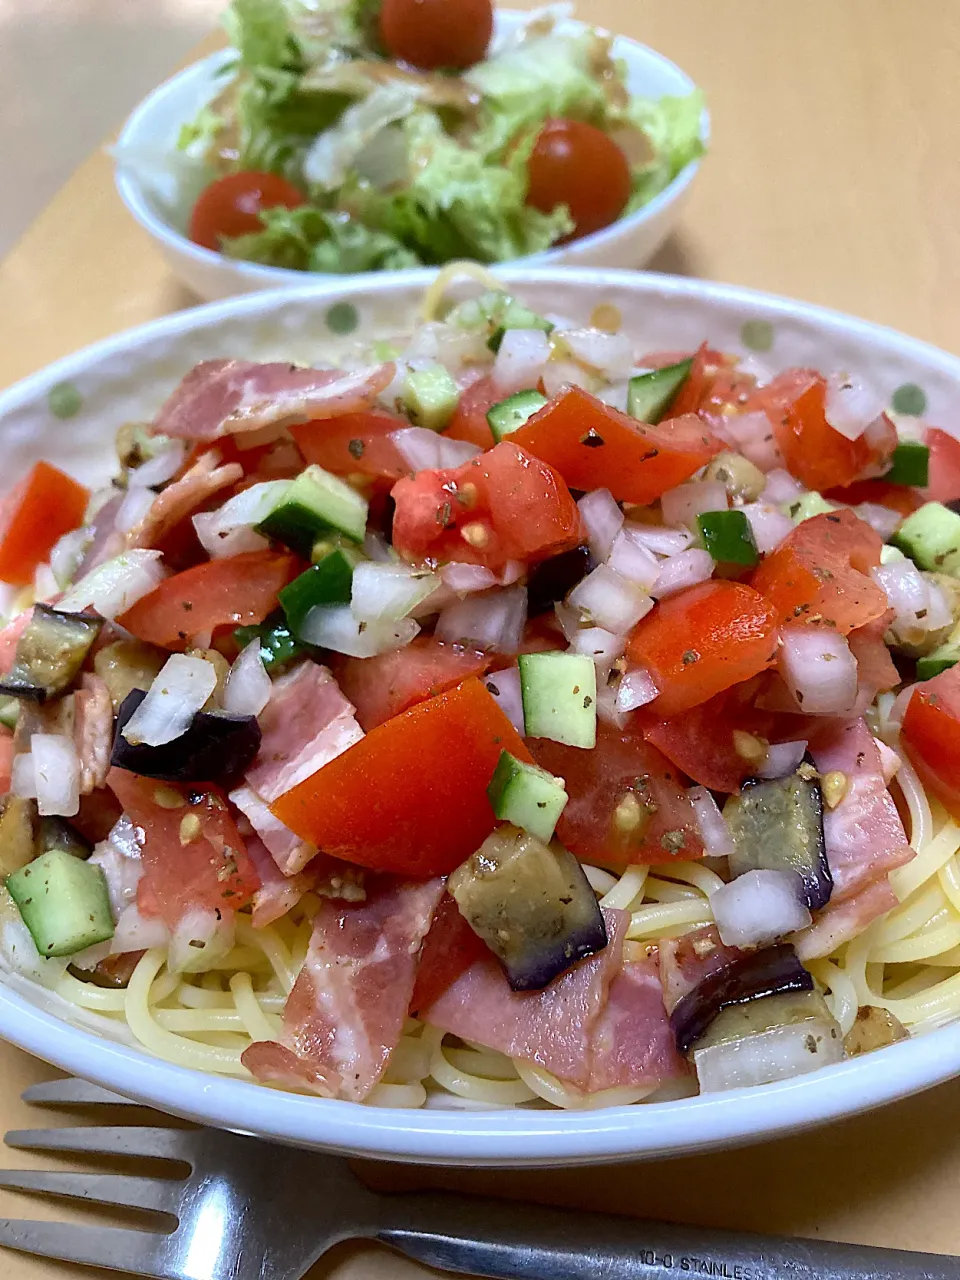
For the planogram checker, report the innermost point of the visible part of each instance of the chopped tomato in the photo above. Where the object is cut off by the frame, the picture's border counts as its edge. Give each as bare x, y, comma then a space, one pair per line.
469, 421
819, 456
382, 687
930, 735
234, 591
944, 481
354, 444
898, 497
703, 640
449, 949
6, 760
713, 383
819, 573
627, 803
876, 672
410, 797
594, 446
33, 516
503, 505
192, 853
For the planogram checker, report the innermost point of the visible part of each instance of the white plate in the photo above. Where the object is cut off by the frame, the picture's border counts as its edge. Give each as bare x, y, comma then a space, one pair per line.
154, 127
128, 376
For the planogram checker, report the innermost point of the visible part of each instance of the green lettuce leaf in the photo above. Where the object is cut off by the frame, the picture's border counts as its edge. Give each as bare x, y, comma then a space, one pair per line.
673, 127
311, 239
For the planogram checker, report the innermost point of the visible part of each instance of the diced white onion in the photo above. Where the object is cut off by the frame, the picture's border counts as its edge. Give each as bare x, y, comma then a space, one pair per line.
898, 707
819, 670
919, 605
714, 832
568, 619
609, 353
45, 585
202, 937
783, 758
135, 505
520, 360
466, 578
890, 762
617, 395
602, 646
56, 769
376, 547
504, 687
248, 686
229, 531
335, 627
683, 570
424, 450
388, 592
683, 504
752, 433
163, 466
602, 521
759, 907
135, 932
179, 691
66, 555
636, 689
493, 621
879, 518
781, 487
938, 609
768, 524
609, 600
116, 585
559, 374
851, 407
23, 780
776, 1054
661, 541
631, 559
119, 858
607, 709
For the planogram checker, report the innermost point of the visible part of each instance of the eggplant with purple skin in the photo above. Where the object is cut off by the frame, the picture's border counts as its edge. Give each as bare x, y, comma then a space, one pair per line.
773, 971
551, 580
216, 747
777, 825
50, 653
531, 904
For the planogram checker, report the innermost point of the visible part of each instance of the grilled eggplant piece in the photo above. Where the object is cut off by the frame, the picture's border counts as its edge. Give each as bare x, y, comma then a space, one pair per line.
752, 976
18, 821
126, 665
216, 747
777, 825
57, 833
532, 905
50, 653
552, 579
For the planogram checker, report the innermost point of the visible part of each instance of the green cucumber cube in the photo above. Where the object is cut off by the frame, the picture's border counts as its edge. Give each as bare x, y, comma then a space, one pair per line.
527, 796
559, 692
63, 902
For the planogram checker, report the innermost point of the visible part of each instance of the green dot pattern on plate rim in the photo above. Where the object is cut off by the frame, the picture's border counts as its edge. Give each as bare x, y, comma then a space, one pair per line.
342, 318
65, 400
757, 335
909, 399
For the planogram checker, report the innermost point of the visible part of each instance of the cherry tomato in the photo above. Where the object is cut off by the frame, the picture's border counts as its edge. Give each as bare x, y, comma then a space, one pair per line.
435, 34
582, 167
231, 206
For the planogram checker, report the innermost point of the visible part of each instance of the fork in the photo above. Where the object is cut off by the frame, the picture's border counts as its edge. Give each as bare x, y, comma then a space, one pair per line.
249, 1210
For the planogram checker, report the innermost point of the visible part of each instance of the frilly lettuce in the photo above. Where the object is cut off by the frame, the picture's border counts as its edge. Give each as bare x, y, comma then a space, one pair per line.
311, 239
673, 127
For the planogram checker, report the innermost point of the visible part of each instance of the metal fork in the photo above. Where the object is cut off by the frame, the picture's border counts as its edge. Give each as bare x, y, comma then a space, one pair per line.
249, 1210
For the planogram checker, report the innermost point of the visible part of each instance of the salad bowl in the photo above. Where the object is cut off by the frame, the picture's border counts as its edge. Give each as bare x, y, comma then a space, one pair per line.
70, 412
158, 183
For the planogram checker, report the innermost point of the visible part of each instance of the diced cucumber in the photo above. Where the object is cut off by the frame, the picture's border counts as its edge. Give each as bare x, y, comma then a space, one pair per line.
559, 692
510, 414
328, 582
278, 645
931, 538
728, 537
805, 508
314, 504
527, 796
516, 316
891, 555
650, 395
430, 397
946, 655
63, 902
910, 464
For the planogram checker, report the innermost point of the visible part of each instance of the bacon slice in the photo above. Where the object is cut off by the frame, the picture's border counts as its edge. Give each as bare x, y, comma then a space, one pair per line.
93, 732
839, 922
228, 397
278, 893
181, 498
287, 848
346, 1012
687, 960
864, 834
550, 1028
632, 1043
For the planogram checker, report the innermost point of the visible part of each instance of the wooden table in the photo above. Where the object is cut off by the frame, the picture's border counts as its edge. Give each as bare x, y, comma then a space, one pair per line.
833, 177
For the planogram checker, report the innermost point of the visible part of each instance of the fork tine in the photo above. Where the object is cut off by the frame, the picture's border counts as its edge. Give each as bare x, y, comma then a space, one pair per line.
158, 1194
109, 1140
72, 1092
117, 1248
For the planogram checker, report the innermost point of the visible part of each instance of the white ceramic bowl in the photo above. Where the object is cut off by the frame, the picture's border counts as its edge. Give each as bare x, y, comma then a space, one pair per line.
154, 126
127, 377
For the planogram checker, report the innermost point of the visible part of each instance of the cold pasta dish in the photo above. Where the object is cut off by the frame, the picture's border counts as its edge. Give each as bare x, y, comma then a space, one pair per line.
507, 715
